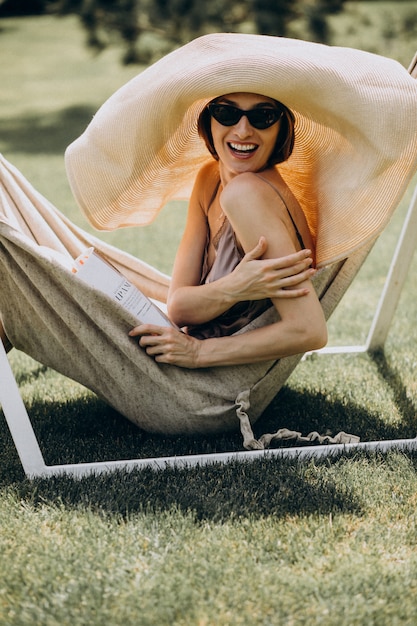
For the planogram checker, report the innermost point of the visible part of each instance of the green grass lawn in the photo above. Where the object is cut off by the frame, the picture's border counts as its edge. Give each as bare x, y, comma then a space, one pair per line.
266, 543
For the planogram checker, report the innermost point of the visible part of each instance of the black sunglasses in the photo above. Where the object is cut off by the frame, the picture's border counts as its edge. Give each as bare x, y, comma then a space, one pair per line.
228, 115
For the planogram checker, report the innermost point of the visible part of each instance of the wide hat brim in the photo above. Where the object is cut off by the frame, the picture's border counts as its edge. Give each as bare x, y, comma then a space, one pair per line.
355, 134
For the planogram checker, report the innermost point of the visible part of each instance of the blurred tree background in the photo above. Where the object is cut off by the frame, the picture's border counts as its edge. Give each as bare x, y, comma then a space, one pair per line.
174, 22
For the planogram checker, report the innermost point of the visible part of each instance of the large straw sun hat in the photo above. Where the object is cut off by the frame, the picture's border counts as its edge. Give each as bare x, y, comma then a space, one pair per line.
355, 135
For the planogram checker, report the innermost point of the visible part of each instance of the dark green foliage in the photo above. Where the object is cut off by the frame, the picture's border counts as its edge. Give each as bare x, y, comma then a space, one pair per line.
316, 14
272, 16
179, 21
11, 8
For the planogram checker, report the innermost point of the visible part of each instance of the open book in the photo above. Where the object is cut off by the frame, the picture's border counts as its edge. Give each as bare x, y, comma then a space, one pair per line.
94, 270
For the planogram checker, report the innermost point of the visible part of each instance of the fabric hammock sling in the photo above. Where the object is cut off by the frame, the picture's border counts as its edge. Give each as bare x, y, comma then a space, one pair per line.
81, 333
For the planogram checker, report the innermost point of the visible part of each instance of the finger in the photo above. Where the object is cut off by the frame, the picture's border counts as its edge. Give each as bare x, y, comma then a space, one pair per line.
146, 329
291, 292
258, 250
284, 271
152, 350
302, 258
300, 254
146, 341
295, 274
284, 281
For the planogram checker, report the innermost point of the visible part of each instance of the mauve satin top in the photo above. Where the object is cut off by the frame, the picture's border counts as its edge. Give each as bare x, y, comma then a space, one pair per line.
227, 257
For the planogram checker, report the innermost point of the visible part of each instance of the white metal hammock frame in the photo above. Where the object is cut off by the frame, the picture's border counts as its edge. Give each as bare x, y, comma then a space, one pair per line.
31, 456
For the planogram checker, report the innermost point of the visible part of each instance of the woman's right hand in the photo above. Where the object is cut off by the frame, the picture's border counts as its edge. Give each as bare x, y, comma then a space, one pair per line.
256, 278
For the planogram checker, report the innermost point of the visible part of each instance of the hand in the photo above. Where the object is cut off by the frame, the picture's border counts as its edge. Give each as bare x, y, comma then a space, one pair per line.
168, 345
255, 278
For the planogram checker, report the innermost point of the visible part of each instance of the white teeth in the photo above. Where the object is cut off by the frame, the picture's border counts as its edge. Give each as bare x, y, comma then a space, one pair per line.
247, 147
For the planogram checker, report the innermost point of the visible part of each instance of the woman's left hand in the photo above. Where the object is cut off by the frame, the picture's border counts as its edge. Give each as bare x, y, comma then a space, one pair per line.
168, 345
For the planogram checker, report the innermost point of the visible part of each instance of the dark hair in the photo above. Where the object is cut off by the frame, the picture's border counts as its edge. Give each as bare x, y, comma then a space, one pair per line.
283, 146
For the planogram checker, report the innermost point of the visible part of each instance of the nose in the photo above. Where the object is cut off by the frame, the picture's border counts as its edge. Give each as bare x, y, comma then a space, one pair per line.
243, 128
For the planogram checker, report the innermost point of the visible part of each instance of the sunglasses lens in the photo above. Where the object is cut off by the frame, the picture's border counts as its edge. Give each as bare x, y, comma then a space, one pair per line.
228, 115
263, 118
224, 114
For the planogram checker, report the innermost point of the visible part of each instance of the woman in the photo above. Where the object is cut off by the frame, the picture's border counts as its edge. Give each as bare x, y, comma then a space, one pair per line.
243, 303
247, 192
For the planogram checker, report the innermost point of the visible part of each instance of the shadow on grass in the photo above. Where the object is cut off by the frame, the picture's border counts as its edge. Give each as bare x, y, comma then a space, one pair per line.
267, 486
88, 430
48, 133
217, 492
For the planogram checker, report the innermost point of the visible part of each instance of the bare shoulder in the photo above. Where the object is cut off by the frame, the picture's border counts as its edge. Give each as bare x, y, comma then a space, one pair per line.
248, 186
208, 174
206, 182
264, 198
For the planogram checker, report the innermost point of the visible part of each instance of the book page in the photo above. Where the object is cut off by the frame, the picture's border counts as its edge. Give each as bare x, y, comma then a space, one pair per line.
94, 270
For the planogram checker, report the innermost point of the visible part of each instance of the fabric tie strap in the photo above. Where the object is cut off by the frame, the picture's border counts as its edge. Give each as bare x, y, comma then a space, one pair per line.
283, 434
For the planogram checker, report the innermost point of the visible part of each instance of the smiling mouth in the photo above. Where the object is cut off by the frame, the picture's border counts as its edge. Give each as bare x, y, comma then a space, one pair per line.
243, 148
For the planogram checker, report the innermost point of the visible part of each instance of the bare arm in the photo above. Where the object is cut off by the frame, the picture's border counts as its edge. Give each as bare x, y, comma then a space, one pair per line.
301, 326
254, 278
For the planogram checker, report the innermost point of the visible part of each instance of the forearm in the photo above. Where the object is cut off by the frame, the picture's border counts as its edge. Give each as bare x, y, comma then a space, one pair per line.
298, 330
201, 303
271, 342
252, 279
